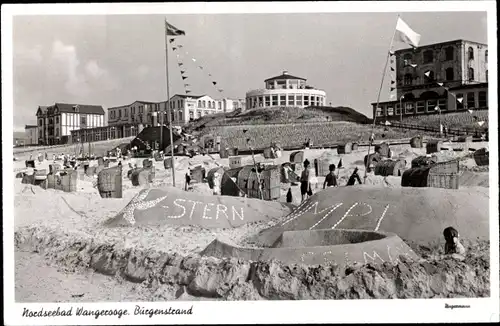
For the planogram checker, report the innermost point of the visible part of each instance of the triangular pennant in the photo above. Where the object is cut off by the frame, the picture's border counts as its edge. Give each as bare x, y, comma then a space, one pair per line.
188, 91
392, 88
339, 166
392, 69
440, 84
200, 67
182, 72
209, 75
180, 64
220, 90
392, 82
245, 131
413, 65
480, 123
194, 60
174, 48
460, 99
436, 108
427, 73
470, 111
387, 123
171, 40
180, 46
186, 85
184, 77
215, 83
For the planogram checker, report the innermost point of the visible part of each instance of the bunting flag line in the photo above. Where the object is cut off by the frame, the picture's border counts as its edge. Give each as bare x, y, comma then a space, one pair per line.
470, 111
171, 40
215, 83
427, 73
339, 166
480, 123
171, 30
184, 77
413, 65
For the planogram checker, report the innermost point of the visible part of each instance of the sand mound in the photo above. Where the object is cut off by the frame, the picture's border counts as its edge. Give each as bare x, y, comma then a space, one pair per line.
416, 214
313, 247
159, 206
474, 179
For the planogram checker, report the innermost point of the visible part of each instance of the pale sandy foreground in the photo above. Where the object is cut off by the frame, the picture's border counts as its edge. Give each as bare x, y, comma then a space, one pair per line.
65, 230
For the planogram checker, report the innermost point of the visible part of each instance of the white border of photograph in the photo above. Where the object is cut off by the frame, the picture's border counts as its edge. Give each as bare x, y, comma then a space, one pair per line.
345, 311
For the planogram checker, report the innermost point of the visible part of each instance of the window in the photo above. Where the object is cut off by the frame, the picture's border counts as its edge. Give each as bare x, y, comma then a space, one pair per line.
449, 74
471, 74
275, 100
125, 113
460, 104
407, 59
83, 120
486, 55
191, 114
398, 109
199, 114
209, 104
180, 116
420, 107
306, 100
204, 104
428, 56
442, 104
471, 100
379, 112
390, 111
483, 99
430, 78
409, 107
40, 123
57, 132
449, 53
471, 53
408, 79
291, 100
298, 100
283, 100
268, 100
431, 106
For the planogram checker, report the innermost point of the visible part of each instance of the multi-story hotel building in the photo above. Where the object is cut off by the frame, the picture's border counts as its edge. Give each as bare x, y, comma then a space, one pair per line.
285, 90
450, 75
56, 122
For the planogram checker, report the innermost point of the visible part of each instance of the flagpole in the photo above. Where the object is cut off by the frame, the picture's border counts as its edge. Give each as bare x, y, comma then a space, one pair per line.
378, 101
169, 117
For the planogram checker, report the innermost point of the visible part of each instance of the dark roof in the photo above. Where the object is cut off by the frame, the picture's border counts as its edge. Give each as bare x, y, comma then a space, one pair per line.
123, 106
82, 108
186, 96
284, 76
439, 43
30, 126
468, 86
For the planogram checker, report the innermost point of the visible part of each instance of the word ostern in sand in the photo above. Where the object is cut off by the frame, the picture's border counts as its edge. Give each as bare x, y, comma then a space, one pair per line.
180, 208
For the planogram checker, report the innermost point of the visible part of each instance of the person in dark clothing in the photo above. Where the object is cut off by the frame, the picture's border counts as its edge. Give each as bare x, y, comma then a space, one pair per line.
188, 181
305, 181
453, 245
289, 198
354, 176
330, 179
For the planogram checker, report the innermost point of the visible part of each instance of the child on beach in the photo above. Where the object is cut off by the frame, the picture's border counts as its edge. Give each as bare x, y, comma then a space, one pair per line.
453, 245
330, 179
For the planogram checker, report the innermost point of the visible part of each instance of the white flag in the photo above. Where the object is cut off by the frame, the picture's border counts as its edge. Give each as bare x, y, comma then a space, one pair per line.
387, 123
392, 96
413, 65
427, 73
480, 123
405, 34
470, 111
436, 108
460, 99
440, 84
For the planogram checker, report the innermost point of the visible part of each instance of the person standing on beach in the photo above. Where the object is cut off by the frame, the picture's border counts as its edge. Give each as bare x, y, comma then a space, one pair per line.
305, 181
330, 179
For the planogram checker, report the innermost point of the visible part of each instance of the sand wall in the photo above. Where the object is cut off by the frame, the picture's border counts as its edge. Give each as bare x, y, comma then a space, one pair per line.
173, 274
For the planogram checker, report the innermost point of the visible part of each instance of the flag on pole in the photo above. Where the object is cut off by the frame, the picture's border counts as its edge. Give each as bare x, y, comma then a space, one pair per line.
172, 30
339, 166
406, 35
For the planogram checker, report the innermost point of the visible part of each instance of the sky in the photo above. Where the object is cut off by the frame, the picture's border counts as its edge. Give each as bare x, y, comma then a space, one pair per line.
115, 60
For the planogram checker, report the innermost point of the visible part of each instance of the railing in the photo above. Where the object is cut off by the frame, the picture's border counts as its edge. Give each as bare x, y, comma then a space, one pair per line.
449, 131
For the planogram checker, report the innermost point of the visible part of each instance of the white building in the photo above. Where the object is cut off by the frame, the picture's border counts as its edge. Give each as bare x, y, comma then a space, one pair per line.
184, 108
285, 90
56, 122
